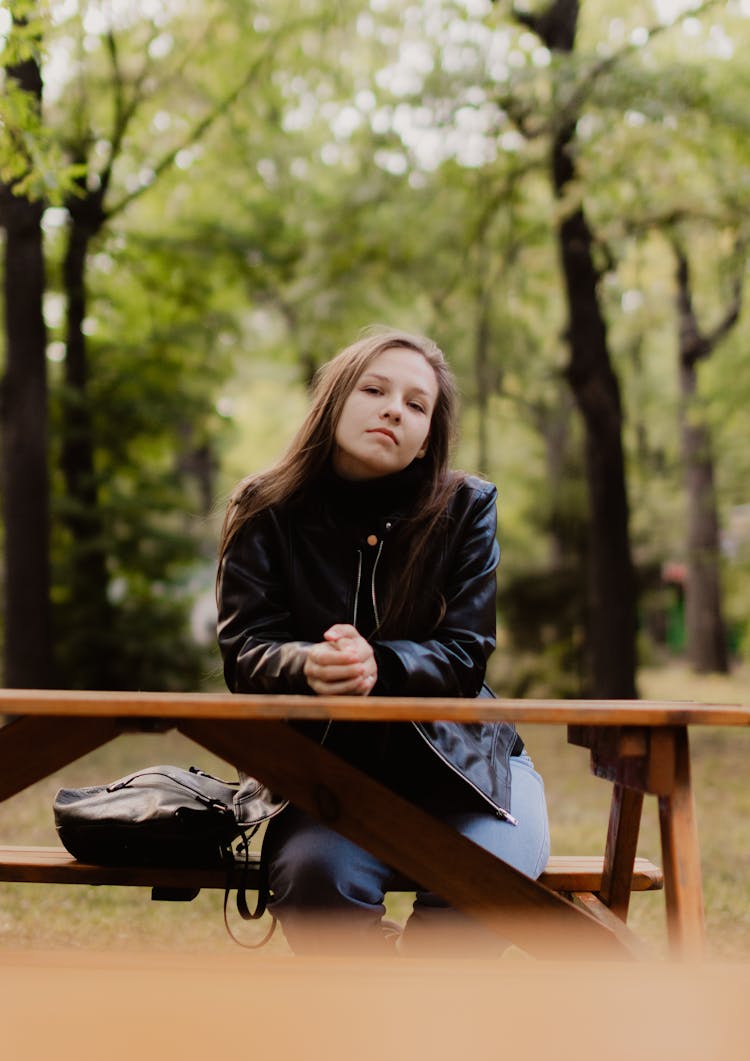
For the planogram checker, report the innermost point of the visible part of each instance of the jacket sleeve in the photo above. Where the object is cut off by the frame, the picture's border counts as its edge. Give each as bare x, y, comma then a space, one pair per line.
254, 621
452, 660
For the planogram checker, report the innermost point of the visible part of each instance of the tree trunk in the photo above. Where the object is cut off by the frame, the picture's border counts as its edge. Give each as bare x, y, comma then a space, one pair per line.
706, 633
28, 656
553, 424
90, 660
612, 585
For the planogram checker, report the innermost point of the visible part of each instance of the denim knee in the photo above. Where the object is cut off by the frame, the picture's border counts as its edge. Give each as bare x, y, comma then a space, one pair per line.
312, 867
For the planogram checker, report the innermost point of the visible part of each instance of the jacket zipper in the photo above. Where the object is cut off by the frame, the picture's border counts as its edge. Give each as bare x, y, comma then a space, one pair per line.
372, 589
500, 811
356, 588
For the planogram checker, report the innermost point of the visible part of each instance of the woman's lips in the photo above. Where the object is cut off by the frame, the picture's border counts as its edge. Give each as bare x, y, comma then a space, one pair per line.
383, 431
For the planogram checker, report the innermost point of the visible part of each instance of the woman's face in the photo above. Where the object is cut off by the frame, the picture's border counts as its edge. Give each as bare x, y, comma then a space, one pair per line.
385, 421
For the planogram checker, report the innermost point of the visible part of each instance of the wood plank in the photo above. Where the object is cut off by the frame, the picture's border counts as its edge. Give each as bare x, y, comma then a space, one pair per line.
662, 761
593, 905
422, 848
570, 873
33, 748
235, 706
639, 758
620, 849
55, 865
681, 854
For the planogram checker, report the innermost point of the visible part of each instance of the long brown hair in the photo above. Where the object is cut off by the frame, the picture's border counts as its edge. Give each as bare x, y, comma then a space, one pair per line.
311, 447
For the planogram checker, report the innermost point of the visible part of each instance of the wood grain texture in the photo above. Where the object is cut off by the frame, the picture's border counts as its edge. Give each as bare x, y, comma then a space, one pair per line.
593, 905
682, 863
621, 846
55, 865
235, 706
32, 748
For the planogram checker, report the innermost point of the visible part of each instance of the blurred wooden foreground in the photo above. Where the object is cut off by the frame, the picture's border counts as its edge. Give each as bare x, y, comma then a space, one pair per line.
81, 1005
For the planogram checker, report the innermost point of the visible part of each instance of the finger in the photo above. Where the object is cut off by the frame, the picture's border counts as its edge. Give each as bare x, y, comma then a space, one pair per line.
355, 647
335, 658
349, 648
340, 673
339, 630
367, 681
357, 687
333, 664
361, 682
323, 655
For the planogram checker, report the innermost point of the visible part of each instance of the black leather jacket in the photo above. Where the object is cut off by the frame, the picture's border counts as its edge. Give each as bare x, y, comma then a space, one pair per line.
292, 573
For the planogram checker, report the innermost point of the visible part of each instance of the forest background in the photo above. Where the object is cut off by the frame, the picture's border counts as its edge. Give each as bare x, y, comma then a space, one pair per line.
203, 200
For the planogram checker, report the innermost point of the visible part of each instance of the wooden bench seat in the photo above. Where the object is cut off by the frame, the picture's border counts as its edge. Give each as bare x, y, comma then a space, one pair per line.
54, 865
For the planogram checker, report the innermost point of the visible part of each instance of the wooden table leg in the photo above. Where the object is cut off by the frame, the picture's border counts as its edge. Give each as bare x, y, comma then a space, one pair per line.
655, 760
681, 857
622, 843
405, 837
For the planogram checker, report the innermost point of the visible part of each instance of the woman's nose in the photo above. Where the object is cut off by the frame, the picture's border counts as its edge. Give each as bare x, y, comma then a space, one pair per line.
392, 408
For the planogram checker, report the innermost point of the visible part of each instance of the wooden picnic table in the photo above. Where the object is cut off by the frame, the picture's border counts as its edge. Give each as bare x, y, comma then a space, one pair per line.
640, 746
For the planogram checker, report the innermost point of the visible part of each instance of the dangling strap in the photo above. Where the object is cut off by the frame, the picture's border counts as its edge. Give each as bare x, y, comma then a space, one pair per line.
243, 909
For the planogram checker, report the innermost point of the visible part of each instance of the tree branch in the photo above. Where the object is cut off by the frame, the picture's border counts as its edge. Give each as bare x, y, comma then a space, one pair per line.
552, 26
555, 25
695, 344
607, 63
205, 123
734, 306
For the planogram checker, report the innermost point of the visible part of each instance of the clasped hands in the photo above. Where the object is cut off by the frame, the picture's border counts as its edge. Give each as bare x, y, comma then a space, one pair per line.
343, 663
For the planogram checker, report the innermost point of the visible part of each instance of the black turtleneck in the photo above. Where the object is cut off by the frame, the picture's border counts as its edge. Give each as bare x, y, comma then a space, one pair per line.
370, 510
362, 503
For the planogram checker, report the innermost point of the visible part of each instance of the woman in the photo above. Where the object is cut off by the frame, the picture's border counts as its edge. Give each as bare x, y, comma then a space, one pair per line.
360, 564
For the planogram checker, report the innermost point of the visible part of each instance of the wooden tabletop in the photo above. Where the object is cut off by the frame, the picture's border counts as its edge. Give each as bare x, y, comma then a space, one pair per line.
89, 703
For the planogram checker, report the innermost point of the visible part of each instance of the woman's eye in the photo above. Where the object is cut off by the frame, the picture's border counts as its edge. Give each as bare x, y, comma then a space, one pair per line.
415, 405
371, 390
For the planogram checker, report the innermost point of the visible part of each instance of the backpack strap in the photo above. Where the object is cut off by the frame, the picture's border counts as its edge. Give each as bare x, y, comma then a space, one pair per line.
243, 909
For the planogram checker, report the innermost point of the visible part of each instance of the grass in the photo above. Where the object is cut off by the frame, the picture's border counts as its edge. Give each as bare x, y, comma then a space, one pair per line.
123, 918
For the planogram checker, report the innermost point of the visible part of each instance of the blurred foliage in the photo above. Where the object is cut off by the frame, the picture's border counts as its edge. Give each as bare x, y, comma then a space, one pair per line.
32, 161
281, 175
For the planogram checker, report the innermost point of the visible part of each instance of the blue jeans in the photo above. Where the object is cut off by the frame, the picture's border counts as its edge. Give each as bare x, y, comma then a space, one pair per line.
328, 893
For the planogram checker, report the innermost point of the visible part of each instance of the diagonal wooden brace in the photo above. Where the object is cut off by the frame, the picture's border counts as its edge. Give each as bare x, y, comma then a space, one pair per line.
421, 847
33, 747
